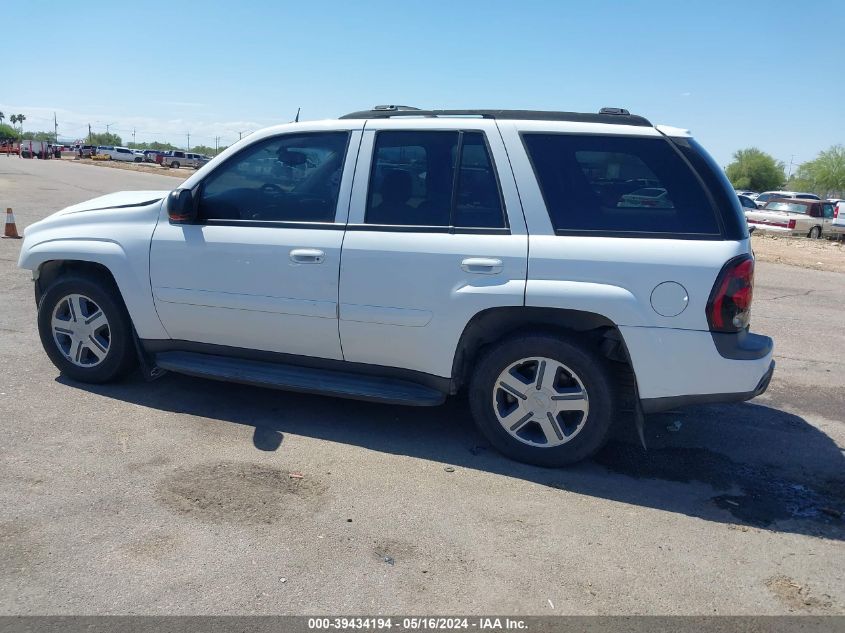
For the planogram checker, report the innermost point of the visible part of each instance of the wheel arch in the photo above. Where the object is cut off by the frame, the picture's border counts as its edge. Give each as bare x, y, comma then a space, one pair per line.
52, 269
493, 324
126, 270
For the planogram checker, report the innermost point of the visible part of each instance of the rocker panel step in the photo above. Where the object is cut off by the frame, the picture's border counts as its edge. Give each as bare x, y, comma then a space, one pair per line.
304, 379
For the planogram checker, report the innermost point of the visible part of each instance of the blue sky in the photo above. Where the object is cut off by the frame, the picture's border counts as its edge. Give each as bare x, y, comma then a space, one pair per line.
763, 73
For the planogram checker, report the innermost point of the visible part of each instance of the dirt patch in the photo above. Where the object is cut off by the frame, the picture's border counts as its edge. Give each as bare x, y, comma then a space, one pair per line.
147, 168
18, 551
392, 551
800, 251
153, 546
796, 596
243, 493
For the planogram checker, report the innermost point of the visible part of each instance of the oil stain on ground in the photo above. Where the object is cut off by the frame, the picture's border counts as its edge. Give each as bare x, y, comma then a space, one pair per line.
236, 492
764, 495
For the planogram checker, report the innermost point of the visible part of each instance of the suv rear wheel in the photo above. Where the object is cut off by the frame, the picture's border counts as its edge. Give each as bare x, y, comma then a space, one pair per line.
815, 233
86, 330
175, 164
543, 400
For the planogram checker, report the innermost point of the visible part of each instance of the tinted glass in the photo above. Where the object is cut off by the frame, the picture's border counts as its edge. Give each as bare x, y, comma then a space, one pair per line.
477, 203
293, 178
611, 184
807, 196
413, 181
747, 202
827, 210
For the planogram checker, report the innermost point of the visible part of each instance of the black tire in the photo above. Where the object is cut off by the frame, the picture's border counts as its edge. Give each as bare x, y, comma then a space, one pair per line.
592, 370
815, 233
175, 164
121, 356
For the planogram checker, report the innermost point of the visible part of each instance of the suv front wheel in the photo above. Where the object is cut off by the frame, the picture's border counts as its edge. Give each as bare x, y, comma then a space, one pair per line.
86, 330
542, 399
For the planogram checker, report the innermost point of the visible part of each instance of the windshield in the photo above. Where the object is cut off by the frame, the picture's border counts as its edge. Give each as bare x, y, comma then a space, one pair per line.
790, 207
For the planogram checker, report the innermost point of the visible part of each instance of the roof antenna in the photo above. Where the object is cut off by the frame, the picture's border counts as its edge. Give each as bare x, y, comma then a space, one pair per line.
296, 120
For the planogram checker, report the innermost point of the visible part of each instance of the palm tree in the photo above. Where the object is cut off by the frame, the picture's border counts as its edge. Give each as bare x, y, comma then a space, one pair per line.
13, 119
2, 116
21, 119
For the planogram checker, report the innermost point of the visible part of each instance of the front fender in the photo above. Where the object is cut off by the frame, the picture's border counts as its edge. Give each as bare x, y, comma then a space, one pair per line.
131, 273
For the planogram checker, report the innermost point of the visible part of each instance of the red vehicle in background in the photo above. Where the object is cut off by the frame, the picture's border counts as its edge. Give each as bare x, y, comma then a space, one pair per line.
10, 147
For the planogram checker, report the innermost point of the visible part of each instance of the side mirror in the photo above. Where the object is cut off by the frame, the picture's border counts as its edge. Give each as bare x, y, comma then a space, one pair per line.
180, 206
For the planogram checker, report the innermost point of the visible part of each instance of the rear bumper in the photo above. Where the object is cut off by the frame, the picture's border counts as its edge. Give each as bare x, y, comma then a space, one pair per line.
655, 405
678, 367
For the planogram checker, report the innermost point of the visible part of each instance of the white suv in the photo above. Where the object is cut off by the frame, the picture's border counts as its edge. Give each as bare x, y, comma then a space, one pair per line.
401, 256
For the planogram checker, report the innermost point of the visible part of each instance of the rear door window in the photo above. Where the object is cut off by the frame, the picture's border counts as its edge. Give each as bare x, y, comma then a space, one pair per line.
610, 185
414, 182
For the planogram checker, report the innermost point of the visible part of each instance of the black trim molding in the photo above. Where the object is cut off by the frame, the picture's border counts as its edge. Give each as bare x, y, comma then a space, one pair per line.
157, 346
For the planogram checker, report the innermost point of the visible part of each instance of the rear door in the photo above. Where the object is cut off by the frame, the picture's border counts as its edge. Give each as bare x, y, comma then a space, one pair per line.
435, 236
595, 247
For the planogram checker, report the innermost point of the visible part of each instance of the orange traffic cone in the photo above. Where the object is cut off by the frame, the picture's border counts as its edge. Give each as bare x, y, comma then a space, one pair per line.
11, 229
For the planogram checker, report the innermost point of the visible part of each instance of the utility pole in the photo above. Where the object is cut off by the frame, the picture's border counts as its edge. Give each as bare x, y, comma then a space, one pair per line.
55, 129
240, 135
89, 132
133, 136
791, 160
188, 134
216, 145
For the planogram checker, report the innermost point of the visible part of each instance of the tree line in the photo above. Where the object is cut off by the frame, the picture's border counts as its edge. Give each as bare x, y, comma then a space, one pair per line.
756, 170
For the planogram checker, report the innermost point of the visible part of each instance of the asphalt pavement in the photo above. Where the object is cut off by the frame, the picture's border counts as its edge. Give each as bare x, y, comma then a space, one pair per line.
175, 496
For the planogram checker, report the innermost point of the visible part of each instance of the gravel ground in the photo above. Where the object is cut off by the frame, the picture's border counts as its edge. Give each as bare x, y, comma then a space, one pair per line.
175, 497
828, 255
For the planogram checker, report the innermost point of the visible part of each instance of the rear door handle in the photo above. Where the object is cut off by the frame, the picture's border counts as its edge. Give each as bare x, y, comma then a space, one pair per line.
482, 265
307, 256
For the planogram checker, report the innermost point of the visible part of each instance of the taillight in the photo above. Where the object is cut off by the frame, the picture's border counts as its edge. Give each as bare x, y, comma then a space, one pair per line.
791, 224
836, 210
729, 306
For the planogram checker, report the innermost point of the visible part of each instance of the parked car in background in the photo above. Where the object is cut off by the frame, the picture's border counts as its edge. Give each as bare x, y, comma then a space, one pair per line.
117, 153
793, 216
150, 155
139, 155
85, 151
178, 158
652, 197
750, 194
764, 197
747, 203
838, 224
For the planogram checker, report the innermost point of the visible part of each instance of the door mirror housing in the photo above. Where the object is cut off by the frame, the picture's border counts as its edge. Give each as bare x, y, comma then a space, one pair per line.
181, 207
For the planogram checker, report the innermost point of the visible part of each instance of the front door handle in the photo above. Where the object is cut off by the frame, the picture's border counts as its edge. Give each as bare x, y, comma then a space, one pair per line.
307, 256
482, 265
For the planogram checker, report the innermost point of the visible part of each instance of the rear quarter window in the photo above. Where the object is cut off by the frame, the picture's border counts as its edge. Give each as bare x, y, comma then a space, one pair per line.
608, 185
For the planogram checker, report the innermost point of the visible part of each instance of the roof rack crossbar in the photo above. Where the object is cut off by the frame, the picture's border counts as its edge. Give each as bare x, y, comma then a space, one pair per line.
618, 116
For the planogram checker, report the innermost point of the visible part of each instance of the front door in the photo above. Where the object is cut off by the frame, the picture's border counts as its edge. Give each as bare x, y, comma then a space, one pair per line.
259, 269
435, 236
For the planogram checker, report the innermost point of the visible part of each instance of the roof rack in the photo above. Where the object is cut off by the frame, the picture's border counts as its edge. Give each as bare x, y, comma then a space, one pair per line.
617, 116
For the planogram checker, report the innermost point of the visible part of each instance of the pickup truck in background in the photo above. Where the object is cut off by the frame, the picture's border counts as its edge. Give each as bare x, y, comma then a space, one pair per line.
793, 216
178, 158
